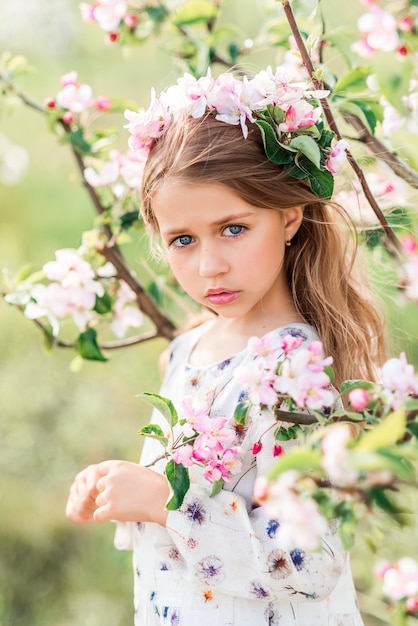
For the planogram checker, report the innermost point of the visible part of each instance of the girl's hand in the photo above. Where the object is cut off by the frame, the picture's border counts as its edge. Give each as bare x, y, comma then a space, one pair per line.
128, 492
81, 503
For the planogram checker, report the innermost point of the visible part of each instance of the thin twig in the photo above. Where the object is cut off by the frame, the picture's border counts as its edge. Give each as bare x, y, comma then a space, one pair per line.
392, 243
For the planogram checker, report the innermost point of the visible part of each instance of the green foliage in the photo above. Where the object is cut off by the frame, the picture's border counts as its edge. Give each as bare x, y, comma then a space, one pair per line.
87, 346
178, 477
163, 405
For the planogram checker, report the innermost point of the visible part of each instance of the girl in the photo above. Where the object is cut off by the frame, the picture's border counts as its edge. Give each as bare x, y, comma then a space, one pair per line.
256, 246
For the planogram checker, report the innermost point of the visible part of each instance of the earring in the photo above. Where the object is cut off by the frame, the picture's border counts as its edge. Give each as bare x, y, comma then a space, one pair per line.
288, 242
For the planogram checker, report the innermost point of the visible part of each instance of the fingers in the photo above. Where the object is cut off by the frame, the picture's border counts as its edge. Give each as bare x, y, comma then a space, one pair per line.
81, 502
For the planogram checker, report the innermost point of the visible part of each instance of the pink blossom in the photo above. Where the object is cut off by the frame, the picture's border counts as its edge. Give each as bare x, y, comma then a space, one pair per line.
196, 414
406, 24
412, 605
400, 379
107, 174
131, 20
290, 343
222, 467
48, 301
109, 13
401, 580
87, 12
231, 100
379, 30
301, 523
184, 455
266, 348
189, 93
75, 98
69, 79
359, 399
409, 244
125, 317
131, 168
307, 390
259, 382
146, 126
335, 460
337, 157
103, 103
300, 115
216, 434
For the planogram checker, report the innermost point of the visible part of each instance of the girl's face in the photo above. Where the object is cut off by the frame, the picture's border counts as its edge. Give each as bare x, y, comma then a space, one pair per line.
225, 253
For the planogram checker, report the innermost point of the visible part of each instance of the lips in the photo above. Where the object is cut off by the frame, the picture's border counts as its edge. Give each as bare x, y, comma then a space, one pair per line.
221, 296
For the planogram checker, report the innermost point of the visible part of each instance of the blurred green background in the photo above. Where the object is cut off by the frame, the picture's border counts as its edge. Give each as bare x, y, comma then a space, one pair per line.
54, 421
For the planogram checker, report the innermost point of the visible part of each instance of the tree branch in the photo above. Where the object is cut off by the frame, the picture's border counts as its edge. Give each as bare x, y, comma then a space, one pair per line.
392, 243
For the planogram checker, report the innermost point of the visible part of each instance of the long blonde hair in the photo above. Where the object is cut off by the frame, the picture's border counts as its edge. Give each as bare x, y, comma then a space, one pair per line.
320, 262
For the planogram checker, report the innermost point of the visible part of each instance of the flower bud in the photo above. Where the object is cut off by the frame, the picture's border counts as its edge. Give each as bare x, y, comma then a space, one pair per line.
359, 399
257, 447
412, 605
50, 104
131, 20
68, 117
103, 103
277, 450
406, 24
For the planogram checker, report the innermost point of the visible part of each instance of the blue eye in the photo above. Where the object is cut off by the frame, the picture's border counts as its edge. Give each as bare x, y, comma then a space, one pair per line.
183, 241
234, 230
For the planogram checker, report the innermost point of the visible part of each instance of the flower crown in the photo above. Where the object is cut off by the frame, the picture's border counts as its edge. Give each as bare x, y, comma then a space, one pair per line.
288, 116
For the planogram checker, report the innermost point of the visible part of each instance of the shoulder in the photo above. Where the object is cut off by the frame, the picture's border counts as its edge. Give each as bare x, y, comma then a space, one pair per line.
298, 330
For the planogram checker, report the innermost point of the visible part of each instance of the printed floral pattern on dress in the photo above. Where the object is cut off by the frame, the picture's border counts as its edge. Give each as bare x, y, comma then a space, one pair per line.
298, 558
272, 527
293, 332
258, 590
194, 511
210, 570
278, 565
272, 616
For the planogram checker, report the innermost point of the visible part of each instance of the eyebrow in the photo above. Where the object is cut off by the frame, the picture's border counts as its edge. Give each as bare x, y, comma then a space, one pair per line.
234, 217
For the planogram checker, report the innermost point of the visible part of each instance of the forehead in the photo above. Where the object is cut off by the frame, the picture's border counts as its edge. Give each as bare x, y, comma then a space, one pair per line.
177, 205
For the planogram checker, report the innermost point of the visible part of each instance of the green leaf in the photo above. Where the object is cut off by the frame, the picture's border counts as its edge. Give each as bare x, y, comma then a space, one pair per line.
87, 346
388, 432
354, 80
241, 413
217, 487
194, 12
128, 219
154, 432
178, 477
156, 291
274, 152
24, 273
103, 304
299, 459
320, 181
163, 405
78, 142
362, 110
307, 146
349, 385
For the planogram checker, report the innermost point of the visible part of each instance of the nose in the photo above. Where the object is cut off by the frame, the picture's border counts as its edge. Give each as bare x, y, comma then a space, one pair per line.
212, 261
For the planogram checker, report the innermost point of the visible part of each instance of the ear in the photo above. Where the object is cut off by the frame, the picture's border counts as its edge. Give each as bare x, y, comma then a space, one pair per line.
292, 220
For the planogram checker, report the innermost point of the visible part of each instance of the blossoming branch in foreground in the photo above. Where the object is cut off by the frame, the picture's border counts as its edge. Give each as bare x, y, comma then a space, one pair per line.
73, 291
302, 378
400, 582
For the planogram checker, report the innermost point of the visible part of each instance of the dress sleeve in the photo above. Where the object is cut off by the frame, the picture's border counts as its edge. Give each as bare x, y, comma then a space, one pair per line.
228, 543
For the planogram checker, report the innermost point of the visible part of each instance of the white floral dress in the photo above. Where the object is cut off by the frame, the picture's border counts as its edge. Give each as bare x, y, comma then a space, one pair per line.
218, 562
